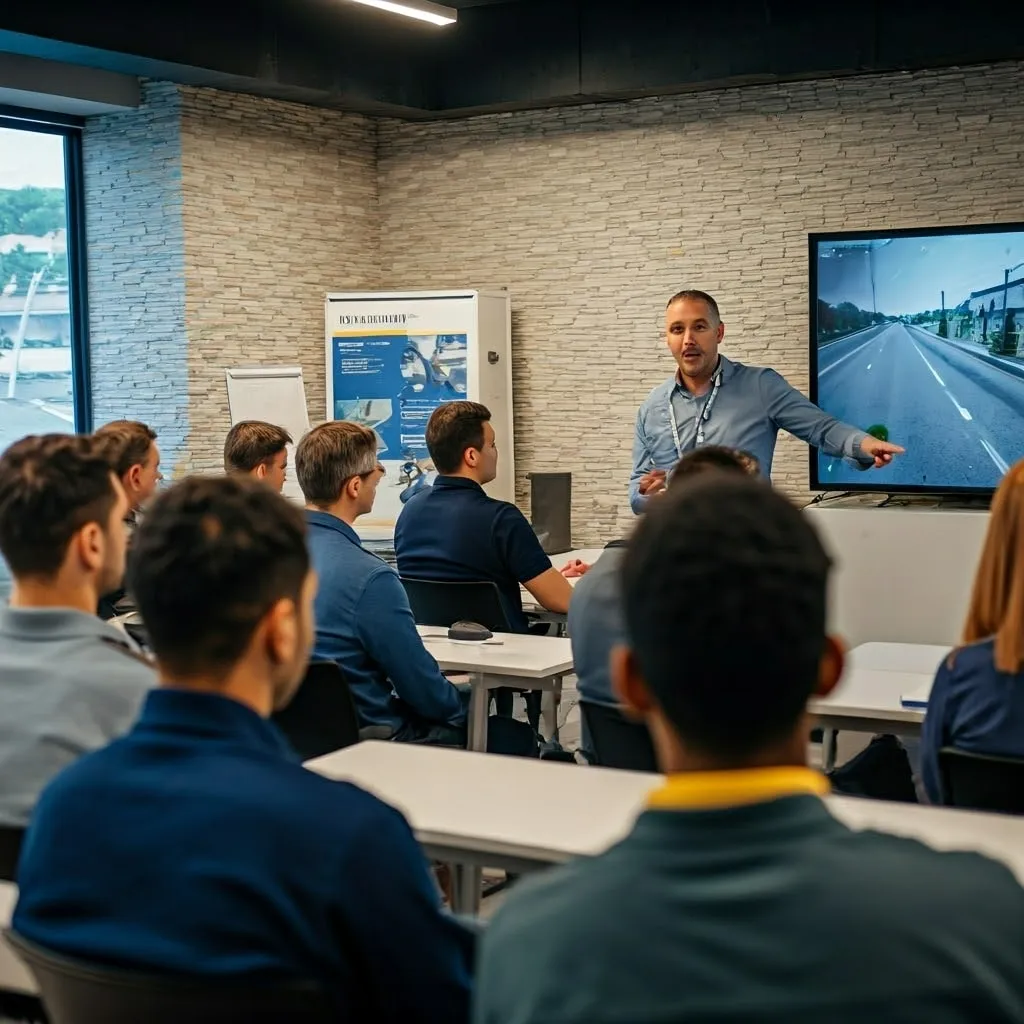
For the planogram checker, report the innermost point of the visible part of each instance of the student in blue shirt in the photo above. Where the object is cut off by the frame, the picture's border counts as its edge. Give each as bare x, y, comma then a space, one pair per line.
197, 844
737, 896
713, 400
977, 698
453, 531
363, 618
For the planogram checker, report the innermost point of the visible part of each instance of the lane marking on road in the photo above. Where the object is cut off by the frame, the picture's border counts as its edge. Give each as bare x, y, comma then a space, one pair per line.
1001, 463
842, 359
926, 363
963, 412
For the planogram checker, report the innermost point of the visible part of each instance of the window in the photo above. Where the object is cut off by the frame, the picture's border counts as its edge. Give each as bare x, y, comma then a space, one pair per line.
44, 372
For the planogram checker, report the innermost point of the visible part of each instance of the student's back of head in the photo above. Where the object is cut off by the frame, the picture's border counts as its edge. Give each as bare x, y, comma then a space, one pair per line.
724, 587
131, 449
61, 530
258, 449
221, 576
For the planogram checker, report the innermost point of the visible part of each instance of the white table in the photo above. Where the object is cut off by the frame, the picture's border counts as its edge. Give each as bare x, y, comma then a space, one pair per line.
14, 975
537, 662
520, 814
867, 698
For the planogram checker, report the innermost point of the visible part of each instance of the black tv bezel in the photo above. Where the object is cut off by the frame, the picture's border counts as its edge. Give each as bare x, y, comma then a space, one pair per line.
813, 239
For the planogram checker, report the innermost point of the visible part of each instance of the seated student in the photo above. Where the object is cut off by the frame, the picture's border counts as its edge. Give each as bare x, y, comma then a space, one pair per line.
363, 618
453, 531
133, 454
258, 449
197, 844
595, 614
135, 458
977, 698
737, 896
69, 683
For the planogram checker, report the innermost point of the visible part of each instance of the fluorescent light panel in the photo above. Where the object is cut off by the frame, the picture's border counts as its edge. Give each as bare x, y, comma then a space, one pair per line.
422, 10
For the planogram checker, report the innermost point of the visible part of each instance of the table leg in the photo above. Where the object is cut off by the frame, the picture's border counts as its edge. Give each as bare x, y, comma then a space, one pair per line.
476, 725
549, 710
828, 749
466, 889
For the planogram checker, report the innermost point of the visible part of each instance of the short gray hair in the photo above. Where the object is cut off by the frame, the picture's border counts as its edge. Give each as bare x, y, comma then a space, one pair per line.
330, 455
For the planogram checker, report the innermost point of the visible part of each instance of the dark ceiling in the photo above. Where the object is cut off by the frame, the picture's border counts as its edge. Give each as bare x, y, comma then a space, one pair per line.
507, 54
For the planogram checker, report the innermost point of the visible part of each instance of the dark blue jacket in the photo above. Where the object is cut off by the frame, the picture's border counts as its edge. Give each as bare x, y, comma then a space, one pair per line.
974, 708
365, 624
196, 843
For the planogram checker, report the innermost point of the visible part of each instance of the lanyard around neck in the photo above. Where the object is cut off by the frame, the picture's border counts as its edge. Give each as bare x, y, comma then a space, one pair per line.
701, 417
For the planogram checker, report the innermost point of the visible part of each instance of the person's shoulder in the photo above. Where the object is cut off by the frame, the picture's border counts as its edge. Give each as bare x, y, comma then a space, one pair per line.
342, 809
111, 656
969, 659
602, 577
555, 911
659, 391
898, 875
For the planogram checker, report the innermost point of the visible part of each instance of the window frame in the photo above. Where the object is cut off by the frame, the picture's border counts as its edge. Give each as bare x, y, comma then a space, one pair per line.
70, 128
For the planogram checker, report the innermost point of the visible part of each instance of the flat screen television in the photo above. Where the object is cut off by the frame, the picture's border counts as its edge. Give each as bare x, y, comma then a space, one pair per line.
917, 336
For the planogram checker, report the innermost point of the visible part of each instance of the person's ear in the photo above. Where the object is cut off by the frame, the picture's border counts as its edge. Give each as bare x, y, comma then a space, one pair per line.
627, 683
353, 486
261, 471
135, 477
282, 632
91, 545
471, 456
830, 669
720, 333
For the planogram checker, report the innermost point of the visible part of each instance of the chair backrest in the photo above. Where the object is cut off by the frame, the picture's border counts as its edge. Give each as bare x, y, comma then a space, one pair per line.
982, 782
10, 851
321, 717
436, 603
618, 742
78, 992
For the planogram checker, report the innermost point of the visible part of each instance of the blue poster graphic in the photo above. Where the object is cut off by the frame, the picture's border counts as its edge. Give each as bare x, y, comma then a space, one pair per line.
393, 382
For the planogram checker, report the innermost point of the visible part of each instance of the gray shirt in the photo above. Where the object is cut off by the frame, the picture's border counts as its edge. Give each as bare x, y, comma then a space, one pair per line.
596, 626
747, 411
69, 684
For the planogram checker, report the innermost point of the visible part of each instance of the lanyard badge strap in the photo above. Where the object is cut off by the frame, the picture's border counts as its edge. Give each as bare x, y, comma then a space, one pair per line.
703, 414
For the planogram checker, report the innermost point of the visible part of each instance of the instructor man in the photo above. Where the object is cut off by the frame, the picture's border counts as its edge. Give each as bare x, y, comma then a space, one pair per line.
712, 400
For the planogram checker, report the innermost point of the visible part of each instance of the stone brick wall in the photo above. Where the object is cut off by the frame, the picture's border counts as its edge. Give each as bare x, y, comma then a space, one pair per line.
135, 251
280, 207
217, 222
593, 216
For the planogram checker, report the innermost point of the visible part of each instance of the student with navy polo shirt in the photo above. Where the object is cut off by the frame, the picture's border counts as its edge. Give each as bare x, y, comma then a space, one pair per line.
455, 532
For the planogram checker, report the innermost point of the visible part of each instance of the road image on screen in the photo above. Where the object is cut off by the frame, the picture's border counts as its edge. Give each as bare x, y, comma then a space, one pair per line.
919, 340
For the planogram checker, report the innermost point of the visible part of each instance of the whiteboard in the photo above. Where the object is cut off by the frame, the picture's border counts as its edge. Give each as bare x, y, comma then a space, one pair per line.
274, 394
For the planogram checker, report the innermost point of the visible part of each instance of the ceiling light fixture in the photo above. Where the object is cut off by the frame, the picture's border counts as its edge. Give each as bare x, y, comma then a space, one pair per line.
422, 10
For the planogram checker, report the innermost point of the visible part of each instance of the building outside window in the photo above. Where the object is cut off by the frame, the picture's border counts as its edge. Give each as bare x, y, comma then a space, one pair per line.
44, 369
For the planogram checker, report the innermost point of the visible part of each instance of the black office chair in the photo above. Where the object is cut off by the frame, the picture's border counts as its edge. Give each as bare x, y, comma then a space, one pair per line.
10, 851
618, 742
322, 717
438, 603
982, 782
442, 603
77, 992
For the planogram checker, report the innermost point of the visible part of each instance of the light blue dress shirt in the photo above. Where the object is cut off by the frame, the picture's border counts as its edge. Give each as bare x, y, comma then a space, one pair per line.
747, 412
